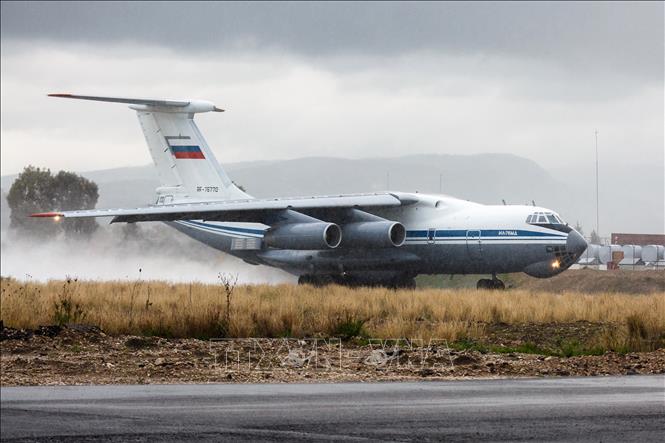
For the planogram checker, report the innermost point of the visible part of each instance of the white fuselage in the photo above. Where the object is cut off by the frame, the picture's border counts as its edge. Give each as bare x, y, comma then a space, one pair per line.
444, 235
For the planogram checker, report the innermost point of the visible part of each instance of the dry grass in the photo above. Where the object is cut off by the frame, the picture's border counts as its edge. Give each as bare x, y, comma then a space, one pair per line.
589, 280
199, 310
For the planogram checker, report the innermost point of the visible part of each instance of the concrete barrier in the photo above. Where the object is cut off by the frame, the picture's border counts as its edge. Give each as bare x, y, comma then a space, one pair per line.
606, 252
653, 253
590, 256
632, 254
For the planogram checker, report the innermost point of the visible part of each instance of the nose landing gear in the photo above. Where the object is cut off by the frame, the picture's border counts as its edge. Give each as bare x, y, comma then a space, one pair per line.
490, 283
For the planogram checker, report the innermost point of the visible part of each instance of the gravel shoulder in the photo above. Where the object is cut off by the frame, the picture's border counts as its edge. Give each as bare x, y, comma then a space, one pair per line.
80, 354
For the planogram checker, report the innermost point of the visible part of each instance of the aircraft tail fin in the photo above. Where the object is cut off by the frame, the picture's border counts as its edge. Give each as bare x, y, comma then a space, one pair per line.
186, 166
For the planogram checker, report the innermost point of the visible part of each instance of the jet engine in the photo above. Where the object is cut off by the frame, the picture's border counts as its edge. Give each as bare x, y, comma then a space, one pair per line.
305, 236
373, 234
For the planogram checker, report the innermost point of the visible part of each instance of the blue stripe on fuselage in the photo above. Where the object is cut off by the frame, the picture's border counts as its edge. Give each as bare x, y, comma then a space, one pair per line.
415, 234
501, 233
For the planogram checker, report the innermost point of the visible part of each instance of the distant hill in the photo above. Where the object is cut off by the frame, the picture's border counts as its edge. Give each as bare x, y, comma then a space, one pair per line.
485, 178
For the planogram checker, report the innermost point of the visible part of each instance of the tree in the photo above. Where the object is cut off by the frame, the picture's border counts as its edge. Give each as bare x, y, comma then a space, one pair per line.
37, 190
578, 228
75, 192
31, 192
595, 238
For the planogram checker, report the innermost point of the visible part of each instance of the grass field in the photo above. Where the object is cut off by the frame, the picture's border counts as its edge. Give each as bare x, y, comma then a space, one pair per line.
622, 322
581, 280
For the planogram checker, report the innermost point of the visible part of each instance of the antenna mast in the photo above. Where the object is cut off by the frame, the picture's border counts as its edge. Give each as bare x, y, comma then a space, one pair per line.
597, 204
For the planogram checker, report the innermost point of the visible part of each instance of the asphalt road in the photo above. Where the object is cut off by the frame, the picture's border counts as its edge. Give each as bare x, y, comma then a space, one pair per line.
598, 409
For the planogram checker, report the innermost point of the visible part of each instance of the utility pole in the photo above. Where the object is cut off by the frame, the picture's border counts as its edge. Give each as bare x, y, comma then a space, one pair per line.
597, 203
440, 183
388, 181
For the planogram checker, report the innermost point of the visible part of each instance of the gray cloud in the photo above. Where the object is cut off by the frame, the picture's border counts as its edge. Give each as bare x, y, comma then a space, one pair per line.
345, 80
287, 107
582, 36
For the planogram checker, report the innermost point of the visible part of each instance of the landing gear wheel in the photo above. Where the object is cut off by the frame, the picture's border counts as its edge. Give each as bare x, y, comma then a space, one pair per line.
305, 280
488, 283
498, 284
315, 280
404, 283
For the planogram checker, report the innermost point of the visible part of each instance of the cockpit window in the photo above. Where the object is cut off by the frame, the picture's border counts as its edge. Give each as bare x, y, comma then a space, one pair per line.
544, 218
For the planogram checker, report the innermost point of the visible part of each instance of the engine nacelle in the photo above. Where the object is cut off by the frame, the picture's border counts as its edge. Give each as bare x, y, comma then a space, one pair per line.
374, 234
304, 236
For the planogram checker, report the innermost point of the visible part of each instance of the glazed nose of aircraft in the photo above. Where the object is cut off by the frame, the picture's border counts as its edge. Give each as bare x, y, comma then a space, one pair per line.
575, 243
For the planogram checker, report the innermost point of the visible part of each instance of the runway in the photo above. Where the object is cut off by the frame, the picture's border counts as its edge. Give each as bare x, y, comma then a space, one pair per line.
599, 409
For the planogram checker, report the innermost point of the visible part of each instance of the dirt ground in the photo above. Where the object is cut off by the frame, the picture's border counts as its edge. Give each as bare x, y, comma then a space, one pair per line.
81, 354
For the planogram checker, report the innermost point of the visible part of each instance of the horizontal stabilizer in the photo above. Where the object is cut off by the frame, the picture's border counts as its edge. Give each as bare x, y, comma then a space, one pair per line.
154, 103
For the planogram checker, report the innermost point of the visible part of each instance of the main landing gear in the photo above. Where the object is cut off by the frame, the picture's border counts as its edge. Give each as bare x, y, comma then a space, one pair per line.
315, 280
490, 283
396, 282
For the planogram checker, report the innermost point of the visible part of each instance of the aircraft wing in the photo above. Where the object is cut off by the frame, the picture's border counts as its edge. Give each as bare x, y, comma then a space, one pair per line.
253, 210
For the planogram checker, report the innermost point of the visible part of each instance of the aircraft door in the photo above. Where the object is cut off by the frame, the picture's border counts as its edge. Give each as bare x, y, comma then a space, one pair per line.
474, 244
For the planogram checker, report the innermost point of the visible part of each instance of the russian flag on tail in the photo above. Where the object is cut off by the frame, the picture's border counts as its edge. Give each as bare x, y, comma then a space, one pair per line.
183, 152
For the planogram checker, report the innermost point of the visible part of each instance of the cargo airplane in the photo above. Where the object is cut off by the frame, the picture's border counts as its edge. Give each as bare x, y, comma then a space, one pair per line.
385, 238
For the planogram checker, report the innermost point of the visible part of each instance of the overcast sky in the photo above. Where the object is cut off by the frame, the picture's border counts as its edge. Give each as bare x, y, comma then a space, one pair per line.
338, 79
